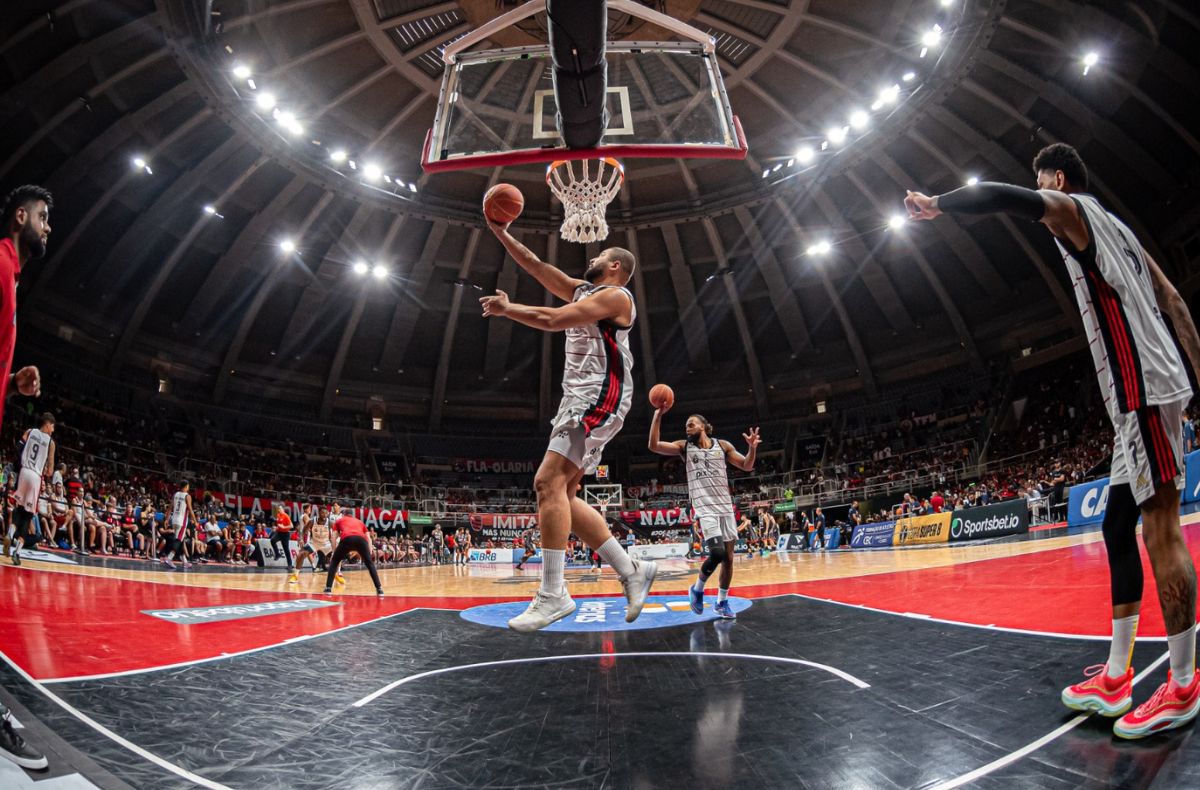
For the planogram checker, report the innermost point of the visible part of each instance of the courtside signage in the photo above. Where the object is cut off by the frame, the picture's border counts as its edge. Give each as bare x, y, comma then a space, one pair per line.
1191, 488
608, 614
933, 528
219, 614
1087, 503
990, 521
869, 536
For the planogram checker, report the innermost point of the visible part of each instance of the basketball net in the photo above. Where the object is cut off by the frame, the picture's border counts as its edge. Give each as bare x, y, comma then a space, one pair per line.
585, 196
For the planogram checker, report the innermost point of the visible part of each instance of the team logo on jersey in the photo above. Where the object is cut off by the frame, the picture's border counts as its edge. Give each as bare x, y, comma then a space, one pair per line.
608, 614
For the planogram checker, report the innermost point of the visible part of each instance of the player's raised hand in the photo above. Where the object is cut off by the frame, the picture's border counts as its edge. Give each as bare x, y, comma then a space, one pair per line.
494, 305
921, 206
752, 438
496, 227
28, 381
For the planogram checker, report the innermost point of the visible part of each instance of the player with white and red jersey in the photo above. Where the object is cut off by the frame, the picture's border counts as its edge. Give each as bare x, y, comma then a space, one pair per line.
37, 458
1125, 301
179, 518
597, 394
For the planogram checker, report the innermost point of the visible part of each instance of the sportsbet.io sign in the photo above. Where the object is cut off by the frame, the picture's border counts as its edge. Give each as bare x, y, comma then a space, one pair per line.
990, 521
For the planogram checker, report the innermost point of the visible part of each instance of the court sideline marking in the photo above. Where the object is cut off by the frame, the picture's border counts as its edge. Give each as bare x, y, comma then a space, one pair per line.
107, 733
1033, 746
846, 676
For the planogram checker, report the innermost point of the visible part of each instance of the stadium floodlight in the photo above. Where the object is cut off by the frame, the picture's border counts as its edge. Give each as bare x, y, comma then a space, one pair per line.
265, 100
241, 71
805, 154
361, 268
287, 245
379, 272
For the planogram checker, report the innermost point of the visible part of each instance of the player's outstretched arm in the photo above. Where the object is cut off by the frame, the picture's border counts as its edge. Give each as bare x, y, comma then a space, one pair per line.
1172, 304
743, 462
1056, 210
655, 444
551, 278
609, 304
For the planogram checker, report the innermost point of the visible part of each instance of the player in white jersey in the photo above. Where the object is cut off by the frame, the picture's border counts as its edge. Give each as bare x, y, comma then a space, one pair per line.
37, 459
597, 394
179, 518
1125, 301
707, 460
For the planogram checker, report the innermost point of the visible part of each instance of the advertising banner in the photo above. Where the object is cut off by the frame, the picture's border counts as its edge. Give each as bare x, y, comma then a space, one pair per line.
248, 506
1191, 485
502, 527
934, 528
663, 517
794, 541
492, 556
658, 551
268, 553
990, 521
494, 466
869, 536
1087, 503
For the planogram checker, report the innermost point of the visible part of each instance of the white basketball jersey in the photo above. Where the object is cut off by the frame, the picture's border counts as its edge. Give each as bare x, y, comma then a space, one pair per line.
708, 480
599, 365
179, 508
1137, 360
37, 450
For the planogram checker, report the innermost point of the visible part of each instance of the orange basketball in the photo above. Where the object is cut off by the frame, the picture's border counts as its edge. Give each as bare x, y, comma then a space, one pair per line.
503, 203
662, 396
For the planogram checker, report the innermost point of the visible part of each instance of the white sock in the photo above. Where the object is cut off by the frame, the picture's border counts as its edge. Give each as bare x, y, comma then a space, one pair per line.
1182, 647
722, 594
552, 570
701, 580
1120, 652
611, 552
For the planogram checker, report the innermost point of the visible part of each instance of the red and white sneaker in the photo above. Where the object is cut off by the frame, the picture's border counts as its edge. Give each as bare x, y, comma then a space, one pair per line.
1100, 693
1171, 706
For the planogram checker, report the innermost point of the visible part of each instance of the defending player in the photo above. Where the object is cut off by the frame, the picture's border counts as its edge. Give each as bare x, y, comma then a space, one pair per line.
597, 393
37, 458
1124, 299
307, 550
706, 461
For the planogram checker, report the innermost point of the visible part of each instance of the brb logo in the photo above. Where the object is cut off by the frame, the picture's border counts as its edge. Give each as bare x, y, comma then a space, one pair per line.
608, 614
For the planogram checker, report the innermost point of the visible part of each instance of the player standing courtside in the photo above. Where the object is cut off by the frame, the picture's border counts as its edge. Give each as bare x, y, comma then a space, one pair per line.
180, 518
37, 458
26, 222
597, 393
706, 460
1123, 296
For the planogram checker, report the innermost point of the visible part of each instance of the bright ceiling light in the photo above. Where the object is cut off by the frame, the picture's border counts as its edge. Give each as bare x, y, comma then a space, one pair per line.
947, 3
909, 76
896, 222
836, 135
972, 181
890, 94
210, 209
265, 100
1089, 60
338, 156
859, 119
372, 172
412, 187
379, 272
361, 268
932, 37
287, 245
241, 71
139, 163
820, 248
285, 117
805, 154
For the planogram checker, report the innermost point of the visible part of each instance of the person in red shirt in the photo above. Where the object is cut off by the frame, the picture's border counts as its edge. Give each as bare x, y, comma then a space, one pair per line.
352, 537
26, 221
282, 535
937, 502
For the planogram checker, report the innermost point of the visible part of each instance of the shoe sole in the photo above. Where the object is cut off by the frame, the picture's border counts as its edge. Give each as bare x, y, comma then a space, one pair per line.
1172, 723
33, 765
631, 613
1092, 705
524, 628
727, 616
696, 610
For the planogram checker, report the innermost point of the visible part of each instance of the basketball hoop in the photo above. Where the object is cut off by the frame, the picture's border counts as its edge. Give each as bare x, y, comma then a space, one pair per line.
586, 196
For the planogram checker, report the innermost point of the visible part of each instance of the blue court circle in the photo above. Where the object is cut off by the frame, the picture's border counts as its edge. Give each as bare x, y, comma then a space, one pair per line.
608, 614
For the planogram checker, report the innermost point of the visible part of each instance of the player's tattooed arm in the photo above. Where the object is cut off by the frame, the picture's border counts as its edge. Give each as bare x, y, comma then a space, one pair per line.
1172, 305
655, 444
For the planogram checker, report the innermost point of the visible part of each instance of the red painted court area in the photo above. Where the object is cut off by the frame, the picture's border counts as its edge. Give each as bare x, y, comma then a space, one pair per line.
71, 625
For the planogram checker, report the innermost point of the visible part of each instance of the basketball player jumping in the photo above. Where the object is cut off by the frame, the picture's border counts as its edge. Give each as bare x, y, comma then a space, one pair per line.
37, 458
707, 460
597, 393
1125, 301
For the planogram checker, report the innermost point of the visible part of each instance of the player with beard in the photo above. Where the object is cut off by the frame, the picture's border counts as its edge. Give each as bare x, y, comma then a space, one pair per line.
597, 394
26, 220
707, 460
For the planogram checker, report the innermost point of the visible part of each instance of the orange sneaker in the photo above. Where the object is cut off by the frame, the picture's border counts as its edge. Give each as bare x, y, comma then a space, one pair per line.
1171, 706
1100, 693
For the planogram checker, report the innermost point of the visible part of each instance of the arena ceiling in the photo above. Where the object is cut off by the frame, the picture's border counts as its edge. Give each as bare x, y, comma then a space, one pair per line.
737, 303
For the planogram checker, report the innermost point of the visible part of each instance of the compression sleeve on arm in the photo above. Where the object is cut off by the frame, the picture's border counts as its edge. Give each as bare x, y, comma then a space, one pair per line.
991, 198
